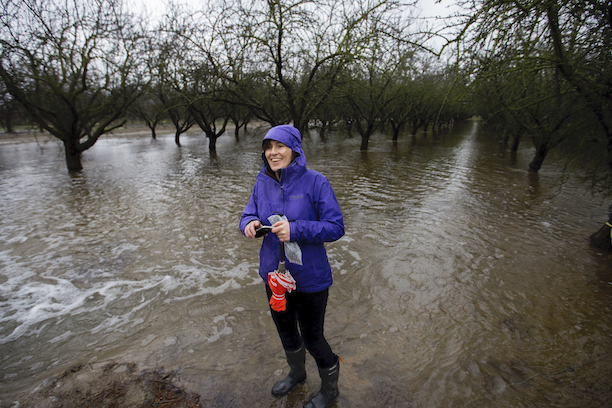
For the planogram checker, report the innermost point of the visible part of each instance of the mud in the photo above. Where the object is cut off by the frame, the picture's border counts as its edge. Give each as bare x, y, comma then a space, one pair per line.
110, 385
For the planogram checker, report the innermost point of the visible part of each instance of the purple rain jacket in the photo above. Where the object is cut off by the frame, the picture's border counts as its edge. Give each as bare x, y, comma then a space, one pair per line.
306, 198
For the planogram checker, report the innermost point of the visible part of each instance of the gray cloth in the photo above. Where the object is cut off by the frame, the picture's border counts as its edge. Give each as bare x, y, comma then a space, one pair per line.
293, 252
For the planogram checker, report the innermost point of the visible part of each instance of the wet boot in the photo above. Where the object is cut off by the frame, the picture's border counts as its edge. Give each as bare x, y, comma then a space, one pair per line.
329, 387
296, 376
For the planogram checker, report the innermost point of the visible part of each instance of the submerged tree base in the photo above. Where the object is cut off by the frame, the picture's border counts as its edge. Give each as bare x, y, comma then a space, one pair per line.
602, 239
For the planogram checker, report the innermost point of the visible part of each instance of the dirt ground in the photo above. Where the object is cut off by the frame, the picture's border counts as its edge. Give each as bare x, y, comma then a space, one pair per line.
24, 137
139, 130
109, 385
41, 137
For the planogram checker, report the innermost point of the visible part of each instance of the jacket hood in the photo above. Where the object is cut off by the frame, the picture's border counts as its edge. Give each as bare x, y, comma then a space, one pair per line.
290, 137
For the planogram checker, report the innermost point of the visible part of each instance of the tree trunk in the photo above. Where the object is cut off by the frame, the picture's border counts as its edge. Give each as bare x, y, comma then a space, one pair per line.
73, 157
322, 132
177, 137
212, 143
365, 133
516, 140
425, 126
153, 134
396, 131
349, 129
503, 141
538, 159
9, 122
364, 142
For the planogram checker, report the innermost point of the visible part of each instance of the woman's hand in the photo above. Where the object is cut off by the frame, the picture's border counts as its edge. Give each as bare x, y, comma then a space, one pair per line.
282, 230
249, 230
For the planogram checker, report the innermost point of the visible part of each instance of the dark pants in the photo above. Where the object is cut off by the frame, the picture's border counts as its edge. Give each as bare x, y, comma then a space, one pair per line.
306, 311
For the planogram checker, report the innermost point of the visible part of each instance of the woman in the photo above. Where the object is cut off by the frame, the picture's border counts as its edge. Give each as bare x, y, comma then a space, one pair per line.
285, 186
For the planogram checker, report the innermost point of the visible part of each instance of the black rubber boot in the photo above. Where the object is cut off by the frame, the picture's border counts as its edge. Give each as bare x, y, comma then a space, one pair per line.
296, 376
329, 387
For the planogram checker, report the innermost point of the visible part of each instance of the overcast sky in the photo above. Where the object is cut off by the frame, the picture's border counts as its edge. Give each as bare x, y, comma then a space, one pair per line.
426, 8
429, 8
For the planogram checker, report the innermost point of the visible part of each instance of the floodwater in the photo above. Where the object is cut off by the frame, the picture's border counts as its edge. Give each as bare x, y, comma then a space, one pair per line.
462, 280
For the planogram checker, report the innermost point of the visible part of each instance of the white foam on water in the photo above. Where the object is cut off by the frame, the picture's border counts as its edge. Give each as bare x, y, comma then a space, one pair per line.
225, 331
123, 247
34, 305
170, 341
62, 337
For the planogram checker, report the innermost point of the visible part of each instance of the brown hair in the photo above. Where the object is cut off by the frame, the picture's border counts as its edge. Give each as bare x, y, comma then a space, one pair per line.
266, 145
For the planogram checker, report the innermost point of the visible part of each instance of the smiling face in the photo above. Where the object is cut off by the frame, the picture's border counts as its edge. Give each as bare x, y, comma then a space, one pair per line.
277, 154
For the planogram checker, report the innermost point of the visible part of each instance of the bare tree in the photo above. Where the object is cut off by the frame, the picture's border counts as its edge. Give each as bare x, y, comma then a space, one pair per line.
190, 64
177, 109
572, 39
581, 36
371, 88
299, 48
149, 108
577, 36
73, 65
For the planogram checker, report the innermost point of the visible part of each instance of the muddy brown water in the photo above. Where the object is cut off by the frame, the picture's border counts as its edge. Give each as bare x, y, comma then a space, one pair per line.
462, 280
